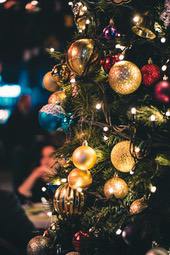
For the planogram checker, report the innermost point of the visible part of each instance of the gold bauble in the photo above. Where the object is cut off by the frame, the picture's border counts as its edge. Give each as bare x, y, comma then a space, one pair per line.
57, 97
144, 32
122, 158
79, 179
82, 56
116, 187
125, 77
84, 157
68, 201
138, 206
50, 82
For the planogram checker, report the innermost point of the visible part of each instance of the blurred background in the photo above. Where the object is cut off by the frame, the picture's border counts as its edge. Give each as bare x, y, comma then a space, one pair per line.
27, 28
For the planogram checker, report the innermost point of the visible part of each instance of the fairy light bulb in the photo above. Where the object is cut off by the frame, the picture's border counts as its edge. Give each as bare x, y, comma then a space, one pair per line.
133, 110
49, 214
72, 80
70, 3
131, 172
164, 68
87, 21
167, 113
44, 189
153, 188
105, 138
52, 49
152, 118
163, 40
137, 19
84, 8
118, 231
105, 129
63, 180
121, 57
98, 106
34, 2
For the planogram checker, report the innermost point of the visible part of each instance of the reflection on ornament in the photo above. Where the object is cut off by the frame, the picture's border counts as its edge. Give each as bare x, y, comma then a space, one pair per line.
68, 201
73, 253
138, 206
53, 117
57, 97
38, 245
157, 251
162, 92
79, 179
143, 32
50, 82
82, 56
121, 156
125, 77
150, 73
116, 187
84, 157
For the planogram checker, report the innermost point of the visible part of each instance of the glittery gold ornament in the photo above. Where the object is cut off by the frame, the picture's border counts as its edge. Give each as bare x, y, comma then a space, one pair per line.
84, 157
79, 179
57, 97
68, 201
82, 56
116, 187
125, 77
38, 245
50, 82
138, 206
121, 156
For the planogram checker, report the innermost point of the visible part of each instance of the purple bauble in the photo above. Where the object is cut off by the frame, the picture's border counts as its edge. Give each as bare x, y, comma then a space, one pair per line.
109, 32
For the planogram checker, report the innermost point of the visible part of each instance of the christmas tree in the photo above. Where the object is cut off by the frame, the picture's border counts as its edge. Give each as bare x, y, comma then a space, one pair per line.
111, 93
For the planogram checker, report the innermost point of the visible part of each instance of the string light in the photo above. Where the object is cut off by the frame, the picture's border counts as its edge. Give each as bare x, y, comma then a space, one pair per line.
105, 138
70, 3
72, 80
98, 106
63, 180
137, 19
118, 231
2, 1
152, 118
105, 129
87, 21
121, 57
164, 68
137, 149
163, 40
44, 189
167, 113
131, 172
133, 110
34, 2
49, 214
153, 188
52, 49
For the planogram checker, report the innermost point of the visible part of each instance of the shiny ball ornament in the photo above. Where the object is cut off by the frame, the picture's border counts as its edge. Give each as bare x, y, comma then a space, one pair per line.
109, 32
150, 74
157, 251
52, 117
38, 245
116, 187
125, 77
50, 82
162, 92
78, 240
138, 206
82, 57
122, 158
57, 97
84, 157
68, 201
79, 179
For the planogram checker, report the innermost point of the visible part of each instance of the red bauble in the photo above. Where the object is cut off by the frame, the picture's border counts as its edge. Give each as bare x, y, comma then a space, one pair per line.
151, 74
109, 61
78, 238
162, 92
